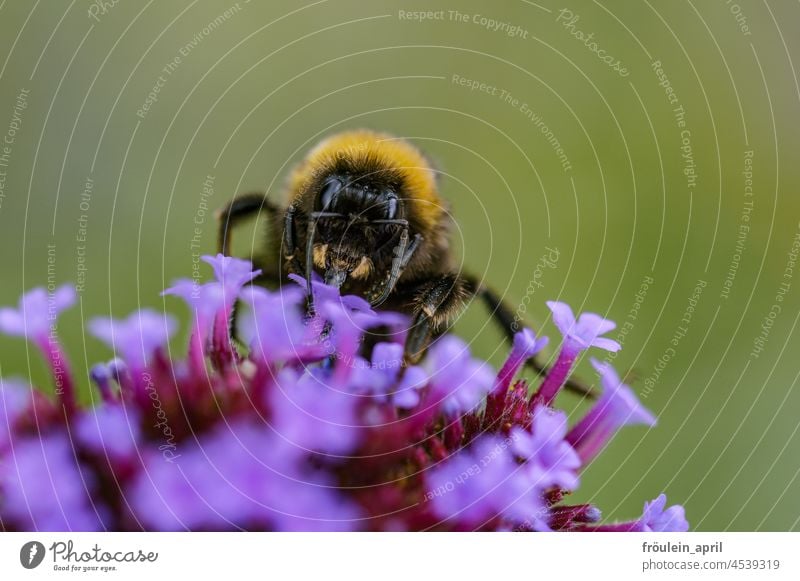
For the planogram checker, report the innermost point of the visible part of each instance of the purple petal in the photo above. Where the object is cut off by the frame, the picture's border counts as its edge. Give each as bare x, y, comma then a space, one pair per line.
563, 317
45, 490
136, 337
109, 429
36, 311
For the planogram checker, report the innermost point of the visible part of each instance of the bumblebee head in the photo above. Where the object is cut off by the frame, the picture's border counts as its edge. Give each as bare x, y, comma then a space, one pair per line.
356, 221
362, 191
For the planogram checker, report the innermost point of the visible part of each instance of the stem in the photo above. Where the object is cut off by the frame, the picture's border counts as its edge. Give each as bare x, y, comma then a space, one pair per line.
556, 377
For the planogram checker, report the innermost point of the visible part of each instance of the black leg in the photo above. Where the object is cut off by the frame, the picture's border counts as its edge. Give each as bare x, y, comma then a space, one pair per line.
436, 302
402, 254
238, 209
289, 231
510, 324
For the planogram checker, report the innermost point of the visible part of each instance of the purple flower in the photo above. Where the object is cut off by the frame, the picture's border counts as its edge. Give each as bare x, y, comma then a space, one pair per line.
656, 519
204, 300
109, 430
585, 332
232, 273
578, 336
37, 311
311, 413
482, 483
324, 293
275, 329
240, 476
137, 337
35, 319
550, 459
459, 380
617, 407
43, 488
381, 377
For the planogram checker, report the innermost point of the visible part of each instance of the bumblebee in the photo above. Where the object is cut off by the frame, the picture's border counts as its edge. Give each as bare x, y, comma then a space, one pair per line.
364, 213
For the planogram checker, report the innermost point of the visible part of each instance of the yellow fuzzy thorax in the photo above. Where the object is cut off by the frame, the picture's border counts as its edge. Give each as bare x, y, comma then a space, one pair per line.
392, 152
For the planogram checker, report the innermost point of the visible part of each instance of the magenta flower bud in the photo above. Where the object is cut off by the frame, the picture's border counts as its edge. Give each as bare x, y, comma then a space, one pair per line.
101, 375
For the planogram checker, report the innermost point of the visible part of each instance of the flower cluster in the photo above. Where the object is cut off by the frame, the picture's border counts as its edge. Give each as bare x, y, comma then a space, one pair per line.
309, 419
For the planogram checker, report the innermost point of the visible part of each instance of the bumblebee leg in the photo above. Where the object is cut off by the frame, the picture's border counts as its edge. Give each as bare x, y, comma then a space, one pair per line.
290, 241
402, 255
509, 322
235, 211
436, 302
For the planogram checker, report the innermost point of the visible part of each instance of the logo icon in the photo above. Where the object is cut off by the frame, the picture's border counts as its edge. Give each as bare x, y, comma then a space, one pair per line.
31, 554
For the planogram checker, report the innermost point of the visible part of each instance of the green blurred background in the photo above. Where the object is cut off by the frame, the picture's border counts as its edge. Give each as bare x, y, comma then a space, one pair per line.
252, 92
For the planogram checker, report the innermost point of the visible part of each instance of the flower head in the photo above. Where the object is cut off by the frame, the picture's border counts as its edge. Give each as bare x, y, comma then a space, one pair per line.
549, 457
307, 424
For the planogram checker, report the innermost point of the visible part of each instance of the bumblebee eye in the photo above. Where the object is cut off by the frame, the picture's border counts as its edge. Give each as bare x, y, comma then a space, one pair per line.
391, 207
328, 192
